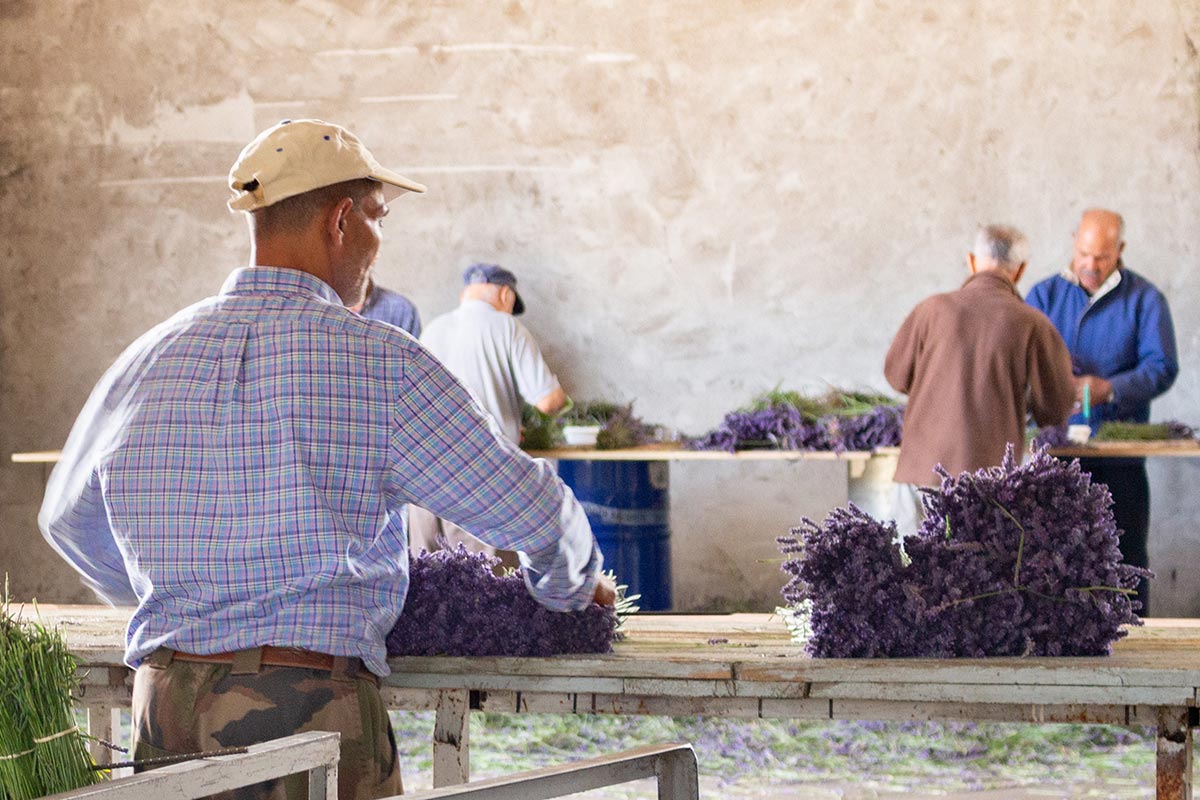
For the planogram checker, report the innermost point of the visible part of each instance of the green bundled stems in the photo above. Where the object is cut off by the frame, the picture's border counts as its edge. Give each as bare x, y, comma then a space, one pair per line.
1134, 432
539, 431
836, 402
41, 750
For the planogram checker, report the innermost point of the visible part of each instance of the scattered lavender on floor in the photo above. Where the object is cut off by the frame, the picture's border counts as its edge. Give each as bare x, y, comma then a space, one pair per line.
1010, 561
718, 641
457, 606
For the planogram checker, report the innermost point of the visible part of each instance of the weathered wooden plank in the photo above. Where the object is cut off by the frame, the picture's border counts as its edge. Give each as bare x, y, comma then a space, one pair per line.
409, 699
794, 691
301, 752
1184, 671
675, 688
673, 766
983, 694
672, 665
516, 683
538, 703
451, 751
966, 712
741, 707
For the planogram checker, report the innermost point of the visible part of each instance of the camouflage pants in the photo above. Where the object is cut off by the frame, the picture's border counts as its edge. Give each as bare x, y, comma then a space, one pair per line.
189, 706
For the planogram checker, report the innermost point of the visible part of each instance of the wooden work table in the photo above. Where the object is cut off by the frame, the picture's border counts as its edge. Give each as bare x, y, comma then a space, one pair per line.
743, 665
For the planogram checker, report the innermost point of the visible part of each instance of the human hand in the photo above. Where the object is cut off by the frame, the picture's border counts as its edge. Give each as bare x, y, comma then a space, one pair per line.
1099, 390
606, 592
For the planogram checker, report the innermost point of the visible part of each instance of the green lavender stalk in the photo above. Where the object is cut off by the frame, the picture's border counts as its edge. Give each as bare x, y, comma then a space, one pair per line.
37, 676
17, 775
1132, 432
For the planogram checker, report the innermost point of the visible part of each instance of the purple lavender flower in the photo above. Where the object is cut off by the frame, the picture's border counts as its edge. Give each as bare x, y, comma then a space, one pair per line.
457, 606
1010, 561
1051, 436
779, 427
1179, 430
880, 427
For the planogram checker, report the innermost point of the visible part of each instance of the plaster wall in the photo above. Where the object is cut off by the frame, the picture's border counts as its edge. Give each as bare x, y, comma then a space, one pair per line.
703, 198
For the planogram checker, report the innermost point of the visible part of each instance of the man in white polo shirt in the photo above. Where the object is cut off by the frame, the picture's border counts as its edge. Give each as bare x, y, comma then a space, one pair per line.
483, 344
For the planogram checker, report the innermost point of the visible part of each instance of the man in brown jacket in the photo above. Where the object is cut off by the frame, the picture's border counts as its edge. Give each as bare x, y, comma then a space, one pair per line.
972, 362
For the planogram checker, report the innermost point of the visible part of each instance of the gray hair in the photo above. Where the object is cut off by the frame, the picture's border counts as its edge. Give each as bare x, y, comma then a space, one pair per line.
1002, 244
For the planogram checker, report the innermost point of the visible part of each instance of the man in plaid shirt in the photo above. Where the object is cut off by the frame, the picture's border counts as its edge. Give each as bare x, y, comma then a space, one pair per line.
240, 475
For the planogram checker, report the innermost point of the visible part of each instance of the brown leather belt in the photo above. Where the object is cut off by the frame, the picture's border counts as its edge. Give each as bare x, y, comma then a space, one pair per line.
248, 662
271, 657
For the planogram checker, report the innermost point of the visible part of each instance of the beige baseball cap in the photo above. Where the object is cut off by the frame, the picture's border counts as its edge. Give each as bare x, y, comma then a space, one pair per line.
297, 156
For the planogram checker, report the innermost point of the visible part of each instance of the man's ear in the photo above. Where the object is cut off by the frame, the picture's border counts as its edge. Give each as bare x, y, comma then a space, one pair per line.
971, 262
1020, 271
335, 219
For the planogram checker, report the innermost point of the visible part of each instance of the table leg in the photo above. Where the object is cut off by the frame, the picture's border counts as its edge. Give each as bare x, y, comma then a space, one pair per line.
451, 756
102, 721
1173, 779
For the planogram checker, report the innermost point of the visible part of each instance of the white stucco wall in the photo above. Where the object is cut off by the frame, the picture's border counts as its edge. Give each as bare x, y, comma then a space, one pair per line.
702, 198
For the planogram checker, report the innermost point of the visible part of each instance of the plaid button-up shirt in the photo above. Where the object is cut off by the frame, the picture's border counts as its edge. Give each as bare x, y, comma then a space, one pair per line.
240, 475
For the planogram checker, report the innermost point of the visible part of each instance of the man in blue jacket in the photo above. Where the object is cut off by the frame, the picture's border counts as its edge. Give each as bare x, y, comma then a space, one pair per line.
1118, 328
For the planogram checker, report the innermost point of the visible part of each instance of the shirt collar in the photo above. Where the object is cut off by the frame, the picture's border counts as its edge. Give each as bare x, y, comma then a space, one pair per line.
1110, 283
991, 279
278, 280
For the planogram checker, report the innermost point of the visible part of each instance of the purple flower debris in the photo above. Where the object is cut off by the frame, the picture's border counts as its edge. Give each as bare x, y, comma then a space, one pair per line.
457, 606
1015, 560
1051, 436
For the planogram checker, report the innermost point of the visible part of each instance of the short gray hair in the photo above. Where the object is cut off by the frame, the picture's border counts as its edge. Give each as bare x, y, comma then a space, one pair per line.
1002, 244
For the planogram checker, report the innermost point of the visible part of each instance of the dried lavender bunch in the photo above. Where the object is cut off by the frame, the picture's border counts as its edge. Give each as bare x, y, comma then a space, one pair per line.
780, 427
879, 427
787, 420
1051, 436
848, 569
457, 606
1012, 560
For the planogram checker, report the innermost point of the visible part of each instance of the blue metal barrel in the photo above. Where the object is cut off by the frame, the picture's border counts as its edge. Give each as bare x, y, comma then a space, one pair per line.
626, 503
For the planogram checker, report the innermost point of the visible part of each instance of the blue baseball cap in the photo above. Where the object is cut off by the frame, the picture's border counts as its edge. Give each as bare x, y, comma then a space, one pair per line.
496, 274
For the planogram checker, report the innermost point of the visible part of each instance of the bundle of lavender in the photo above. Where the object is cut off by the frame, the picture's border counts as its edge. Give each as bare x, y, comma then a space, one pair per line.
41, 750
619, 427
457, 606
839, 420
1013, 560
